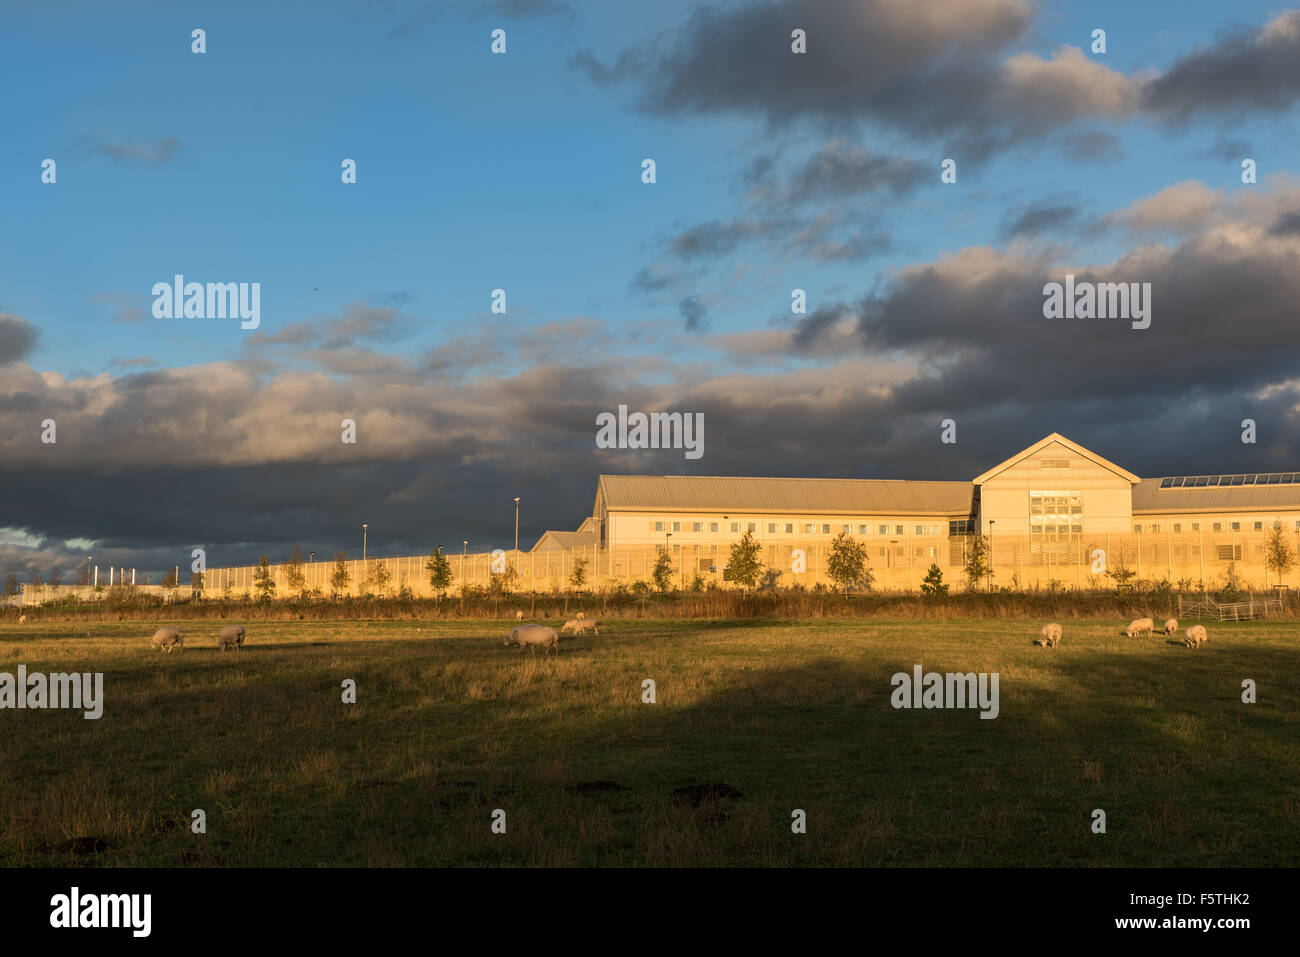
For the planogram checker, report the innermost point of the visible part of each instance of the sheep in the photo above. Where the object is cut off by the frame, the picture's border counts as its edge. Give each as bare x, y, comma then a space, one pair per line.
1171, 625
231, 635
22, 619
169, 638
519, 616
1195, 636
580, 625
1042, 642
1052, 634
1139, 625
532, 636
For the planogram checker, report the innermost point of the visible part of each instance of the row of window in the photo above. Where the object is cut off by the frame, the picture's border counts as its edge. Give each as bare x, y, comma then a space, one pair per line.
1217, 526
814, 528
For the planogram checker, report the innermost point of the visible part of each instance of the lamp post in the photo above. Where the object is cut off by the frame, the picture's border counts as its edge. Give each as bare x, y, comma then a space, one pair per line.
516, 534
365, 529
992, 522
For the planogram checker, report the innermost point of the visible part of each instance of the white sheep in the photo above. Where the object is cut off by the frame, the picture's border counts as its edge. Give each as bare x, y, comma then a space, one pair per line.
1139, 625
1171, 625
519, 616
1051, 634
231, 636
168, 638
22, 619
532, 636
580, 625
1195, 636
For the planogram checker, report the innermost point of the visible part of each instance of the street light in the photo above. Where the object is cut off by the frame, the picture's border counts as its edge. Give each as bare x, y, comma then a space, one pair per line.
516, 534
992, 522
364, 532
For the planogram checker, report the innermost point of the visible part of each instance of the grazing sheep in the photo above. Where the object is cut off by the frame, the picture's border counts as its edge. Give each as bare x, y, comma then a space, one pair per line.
1139, 625
532, 636
231, 635
519, 616
168, 638
1171, 625
1195, 636
580, 625
1052, 634
22, 619
1042, 642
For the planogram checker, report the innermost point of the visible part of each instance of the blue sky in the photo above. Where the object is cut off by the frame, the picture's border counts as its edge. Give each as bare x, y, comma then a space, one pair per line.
522, 171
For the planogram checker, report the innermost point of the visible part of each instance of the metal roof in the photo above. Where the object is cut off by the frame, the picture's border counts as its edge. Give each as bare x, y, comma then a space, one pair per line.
577, 539
719, 493
1149, 496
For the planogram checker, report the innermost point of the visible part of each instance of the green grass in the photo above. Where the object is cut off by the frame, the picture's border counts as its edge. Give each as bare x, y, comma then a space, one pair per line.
449, 726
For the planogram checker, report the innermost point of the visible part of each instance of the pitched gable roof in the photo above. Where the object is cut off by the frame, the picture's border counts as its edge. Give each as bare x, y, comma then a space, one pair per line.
1057, 437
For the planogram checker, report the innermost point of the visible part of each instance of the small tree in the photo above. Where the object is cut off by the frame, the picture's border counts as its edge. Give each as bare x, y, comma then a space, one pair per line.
295, 578
1278, 555
663, 573
847, 564
196, 584
378, 576
263, 583
578, 577
1120, 573
54, 578
340, 580
743, 564
932, 584
11, 584
439, 570
977, 560
169, 580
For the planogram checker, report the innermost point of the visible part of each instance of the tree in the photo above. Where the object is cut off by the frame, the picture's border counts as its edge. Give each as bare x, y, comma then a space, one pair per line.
340, 579
663, 573
847, 564
378, 576
1119, 572
1278, 555
743, 564
11, 584
295, 579
932, 584
54, 578
578, 577
439, 571
169, 580
196, 584
263, 583
977, 560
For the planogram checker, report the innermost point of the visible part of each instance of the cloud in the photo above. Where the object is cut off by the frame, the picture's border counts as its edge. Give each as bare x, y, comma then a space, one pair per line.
17, 337
1181, 207
157, 152
694, 311
1036, 219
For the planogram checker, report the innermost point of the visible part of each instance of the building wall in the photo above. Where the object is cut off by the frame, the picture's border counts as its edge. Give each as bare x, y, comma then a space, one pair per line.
628, 528
1106, 499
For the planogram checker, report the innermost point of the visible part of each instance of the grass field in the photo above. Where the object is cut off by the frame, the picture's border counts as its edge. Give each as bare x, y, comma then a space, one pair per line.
449, 726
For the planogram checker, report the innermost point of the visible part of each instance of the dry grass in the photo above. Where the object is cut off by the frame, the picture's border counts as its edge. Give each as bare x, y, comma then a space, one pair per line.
792, 714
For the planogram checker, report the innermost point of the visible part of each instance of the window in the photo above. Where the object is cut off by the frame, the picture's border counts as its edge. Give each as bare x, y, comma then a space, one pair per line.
920, 529
1236, 526
789, 528
1259, 526
862, 529
1218, 526
826, 529
753, 526
809, 528
934, 529
1196, 526
771, 528
1229, 553
677, 526
735, 526
846, 529
1056, 463
884, 529
713, 526
1177, 527
898, 529
1138, 529
697, 526
659, 526
1155, 528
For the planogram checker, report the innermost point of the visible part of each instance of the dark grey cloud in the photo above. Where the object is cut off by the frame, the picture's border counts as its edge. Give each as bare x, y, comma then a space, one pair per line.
695, 312
17, 337
1092, 146
147, 152
1245, 69
1036, 219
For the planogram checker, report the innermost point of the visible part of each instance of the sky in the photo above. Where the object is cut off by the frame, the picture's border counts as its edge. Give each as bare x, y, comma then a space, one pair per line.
523, 171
